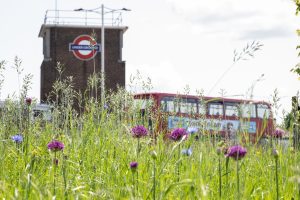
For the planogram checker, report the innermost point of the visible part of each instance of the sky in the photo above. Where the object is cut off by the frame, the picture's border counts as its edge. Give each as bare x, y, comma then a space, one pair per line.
180, 45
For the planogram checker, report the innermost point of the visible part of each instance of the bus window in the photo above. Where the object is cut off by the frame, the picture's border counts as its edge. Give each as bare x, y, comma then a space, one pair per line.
176, 104
215, 109
201, 108
188, 106
263, 111
231, 110
168, 104
248, 110
163, 106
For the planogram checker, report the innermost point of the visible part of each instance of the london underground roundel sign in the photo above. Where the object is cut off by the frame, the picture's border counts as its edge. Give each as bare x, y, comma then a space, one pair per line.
84, 47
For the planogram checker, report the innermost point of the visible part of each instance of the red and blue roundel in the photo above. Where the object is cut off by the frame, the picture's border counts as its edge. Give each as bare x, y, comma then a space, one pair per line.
84, 47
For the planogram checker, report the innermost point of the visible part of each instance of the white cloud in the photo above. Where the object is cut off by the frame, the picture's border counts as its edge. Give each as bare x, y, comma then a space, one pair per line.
164, 78
245, 19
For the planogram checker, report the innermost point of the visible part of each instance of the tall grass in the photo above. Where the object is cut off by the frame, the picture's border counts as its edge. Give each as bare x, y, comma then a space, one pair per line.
99, 147
96, 157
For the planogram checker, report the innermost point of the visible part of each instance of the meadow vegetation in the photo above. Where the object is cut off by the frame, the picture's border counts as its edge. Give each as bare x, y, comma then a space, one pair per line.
91, 150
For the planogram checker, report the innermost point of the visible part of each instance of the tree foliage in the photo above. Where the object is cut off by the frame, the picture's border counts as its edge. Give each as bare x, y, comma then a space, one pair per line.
296, 69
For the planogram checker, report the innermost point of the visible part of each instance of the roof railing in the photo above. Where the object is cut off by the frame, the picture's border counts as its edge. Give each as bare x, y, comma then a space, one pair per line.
84, 18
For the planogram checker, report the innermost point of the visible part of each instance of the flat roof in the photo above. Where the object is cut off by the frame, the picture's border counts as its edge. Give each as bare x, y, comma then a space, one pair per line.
48, 26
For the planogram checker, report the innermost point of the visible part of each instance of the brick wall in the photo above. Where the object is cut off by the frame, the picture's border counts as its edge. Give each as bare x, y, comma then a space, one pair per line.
59, 38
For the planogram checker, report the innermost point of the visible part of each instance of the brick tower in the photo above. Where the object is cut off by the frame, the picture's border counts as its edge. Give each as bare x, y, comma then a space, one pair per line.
75, 42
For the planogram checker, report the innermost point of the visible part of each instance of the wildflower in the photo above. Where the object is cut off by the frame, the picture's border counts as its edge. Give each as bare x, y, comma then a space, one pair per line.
187, 152
133, 166
55, 146
55, 161
192, 130
278, 133
28, 101
139, 131
275, 153
236, 152
17, 138
177, 134
105, 106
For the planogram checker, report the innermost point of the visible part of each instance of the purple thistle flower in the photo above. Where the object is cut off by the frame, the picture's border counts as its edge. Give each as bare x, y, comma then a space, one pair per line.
28, 101
55, 146
133, 166
17, 138
139, 131
177, 134
192, 130
236, 152
278, 133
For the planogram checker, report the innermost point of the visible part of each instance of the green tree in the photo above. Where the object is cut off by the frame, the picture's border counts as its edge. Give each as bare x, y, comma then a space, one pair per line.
296, 69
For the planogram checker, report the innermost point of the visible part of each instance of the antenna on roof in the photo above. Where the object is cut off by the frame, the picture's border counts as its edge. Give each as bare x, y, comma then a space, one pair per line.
56, 12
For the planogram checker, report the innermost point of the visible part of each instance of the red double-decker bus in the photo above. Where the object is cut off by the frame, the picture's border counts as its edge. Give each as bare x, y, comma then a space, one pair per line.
209, 115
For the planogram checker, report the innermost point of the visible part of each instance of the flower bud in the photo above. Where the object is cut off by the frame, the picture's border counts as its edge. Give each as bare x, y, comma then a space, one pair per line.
221, 143
133, 166
28, 101
275, 153
153, 154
